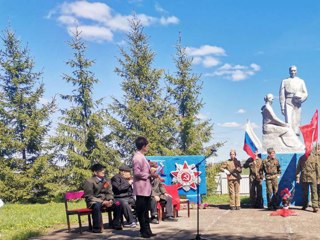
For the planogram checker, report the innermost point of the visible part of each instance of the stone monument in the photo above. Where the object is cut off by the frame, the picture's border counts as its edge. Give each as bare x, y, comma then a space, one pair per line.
283, 136
292, 94
276, 133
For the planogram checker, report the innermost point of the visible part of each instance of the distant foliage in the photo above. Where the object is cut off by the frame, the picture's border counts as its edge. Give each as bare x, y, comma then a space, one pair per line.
212, 170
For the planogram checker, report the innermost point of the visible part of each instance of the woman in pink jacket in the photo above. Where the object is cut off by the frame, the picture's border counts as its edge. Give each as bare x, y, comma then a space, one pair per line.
142, 186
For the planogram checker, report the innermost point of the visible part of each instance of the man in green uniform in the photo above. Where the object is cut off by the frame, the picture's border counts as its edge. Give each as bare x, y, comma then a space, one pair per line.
307, 175
98, 194
255, 177
232, 168
271, 168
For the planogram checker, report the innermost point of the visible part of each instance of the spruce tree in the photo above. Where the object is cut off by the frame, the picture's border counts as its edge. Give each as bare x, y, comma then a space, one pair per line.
24, 120
143, 110
185, 89
80, 134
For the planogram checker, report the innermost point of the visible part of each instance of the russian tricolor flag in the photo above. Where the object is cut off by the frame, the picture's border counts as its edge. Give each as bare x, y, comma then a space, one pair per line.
251, 141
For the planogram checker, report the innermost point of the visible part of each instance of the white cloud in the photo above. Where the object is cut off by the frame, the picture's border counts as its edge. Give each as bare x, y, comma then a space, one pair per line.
68, 20
120, 23
205, 50
202, 116
210, 61
99, 21
236, 72
169, 20
230, 124
255, 67
95, 11
93, 33
241, 111
160, 9
253, 125
204, 55
146, 20
196, 60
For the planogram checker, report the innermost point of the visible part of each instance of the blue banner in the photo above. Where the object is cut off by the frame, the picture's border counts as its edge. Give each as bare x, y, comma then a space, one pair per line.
182, 170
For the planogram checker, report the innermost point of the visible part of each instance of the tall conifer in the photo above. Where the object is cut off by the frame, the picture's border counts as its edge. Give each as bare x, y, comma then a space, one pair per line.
24, 120
185, 89
143, 110
80, 133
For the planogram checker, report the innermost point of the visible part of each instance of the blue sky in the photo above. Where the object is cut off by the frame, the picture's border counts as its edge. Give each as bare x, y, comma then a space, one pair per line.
242, 49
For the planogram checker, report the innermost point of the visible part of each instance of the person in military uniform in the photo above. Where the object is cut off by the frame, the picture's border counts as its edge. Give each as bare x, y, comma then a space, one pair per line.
233, 168
123, 192
98, 194
159, 194
307, 175
255, 177
271, 169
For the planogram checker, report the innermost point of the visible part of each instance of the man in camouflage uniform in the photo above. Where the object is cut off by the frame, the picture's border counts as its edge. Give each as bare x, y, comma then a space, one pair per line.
256, 177
271, 168
307, 175
232, 168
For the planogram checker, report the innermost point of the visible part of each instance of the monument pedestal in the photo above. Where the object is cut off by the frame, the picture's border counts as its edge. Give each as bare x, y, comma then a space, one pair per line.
288, 163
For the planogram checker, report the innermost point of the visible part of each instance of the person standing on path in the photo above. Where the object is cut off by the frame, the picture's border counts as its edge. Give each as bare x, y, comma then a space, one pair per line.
232, 168
255, 177
271, 168
142, 186
307, 174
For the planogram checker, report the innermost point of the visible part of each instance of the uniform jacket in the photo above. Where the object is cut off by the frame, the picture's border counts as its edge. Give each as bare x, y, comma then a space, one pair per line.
271, 168
256, 169
157, 188
308, 168
231, 166
121, 187
96, 191
141, 175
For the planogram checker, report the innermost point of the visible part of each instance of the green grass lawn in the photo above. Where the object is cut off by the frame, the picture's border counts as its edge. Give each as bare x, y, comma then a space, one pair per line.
22, 221
222, 199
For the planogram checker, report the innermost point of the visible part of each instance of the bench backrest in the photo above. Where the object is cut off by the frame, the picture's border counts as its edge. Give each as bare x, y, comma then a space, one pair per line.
73, 195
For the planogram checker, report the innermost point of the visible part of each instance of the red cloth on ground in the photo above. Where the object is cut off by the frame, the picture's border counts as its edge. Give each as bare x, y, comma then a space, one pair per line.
284, 212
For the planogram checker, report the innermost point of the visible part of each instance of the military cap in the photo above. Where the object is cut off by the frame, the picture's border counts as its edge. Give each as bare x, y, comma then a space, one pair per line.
270, 150
97, 167
125, 168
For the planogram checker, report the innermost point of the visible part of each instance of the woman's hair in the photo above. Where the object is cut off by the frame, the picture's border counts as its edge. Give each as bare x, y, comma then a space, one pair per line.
141, 142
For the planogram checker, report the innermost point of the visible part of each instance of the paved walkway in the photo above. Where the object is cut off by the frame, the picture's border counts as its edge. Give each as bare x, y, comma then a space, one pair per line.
216, 223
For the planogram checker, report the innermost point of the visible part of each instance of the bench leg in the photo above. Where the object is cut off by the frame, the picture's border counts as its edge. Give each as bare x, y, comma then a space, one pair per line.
89, 221
80, 225
68, 222
110, 219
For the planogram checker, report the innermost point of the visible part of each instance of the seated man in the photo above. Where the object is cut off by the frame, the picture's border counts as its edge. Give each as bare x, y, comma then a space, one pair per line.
123, 192
98, 194
159, 194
